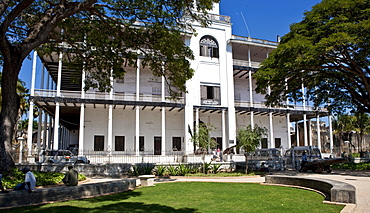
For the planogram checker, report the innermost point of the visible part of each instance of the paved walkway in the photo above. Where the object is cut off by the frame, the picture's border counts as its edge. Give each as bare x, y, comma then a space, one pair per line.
359, 179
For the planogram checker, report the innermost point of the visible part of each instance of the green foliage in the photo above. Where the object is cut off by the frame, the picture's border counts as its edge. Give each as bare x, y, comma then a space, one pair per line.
215, 168
250, 137
184, 169
42, 178
355, 155
352, 166
173, 170
160, 170
206, 167
202, 139
328, 52
142, 169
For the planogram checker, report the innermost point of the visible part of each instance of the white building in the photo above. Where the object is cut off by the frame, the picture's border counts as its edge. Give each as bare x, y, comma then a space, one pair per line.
136, 119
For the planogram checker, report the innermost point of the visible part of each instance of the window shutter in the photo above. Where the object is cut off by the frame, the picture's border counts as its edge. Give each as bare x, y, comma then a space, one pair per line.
203, 92
217, 94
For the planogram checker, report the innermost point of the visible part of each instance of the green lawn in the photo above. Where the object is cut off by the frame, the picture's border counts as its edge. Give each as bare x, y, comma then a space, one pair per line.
197, 197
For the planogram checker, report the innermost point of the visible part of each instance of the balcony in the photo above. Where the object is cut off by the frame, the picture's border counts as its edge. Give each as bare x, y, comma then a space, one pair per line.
240, 103
106, 96
245, 63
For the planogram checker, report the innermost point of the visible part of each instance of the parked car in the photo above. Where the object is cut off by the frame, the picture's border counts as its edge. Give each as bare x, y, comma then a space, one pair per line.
61, 156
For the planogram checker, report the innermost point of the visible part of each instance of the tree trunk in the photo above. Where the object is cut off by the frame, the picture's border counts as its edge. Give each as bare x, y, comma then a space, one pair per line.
246, 164
9, 112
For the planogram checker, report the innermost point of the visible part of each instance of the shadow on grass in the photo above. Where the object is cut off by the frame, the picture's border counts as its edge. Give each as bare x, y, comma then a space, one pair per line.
108, 203
118, 207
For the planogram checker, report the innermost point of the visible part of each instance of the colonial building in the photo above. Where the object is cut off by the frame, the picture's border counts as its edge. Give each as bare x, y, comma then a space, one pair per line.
136, 117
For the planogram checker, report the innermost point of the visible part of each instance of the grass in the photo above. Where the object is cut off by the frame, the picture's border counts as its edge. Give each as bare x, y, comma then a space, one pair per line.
196, 197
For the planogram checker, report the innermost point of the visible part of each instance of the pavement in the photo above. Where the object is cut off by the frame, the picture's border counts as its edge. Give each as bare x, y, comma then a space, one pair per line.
359, 179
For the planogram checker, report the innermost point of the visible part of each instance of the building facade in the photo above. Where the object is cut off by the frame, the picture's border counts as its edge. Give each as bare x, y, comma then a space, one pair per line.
136, 117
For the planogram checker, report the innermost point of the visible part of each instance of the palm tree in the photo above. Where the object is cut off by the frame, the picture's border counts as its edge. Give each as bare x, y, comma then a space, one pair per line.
362, 126
344, 124
249, 139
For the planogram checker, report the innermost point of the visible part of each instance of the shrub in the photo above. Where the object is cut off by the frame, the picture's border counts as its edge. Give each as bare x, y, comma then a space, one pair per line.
173, 170
142, 169
183, 169
353, 166
160, 170
42, 178
215, 168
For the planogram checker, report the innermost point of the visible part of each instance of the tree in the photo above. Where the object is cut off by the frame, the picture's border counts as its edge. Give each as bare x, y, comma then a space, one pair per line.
249, 139
202, 139
361, 126
327, 52
343, 125
102, 37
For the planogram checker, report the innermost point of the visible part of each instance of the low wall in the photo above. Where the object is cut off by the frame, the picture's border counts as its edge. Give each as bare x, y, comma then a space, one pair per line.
335, 191
61, 193
102, 170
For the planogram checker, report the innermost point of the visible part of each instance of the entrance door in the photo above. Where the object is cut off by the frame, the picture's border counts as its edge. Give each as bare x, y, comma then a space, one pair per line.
157, 145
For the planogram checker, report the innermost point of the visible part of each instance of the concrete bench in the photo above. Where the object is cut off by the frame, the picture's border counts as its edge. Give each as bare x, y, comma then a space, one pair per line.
62, 193
147, 180
334, 191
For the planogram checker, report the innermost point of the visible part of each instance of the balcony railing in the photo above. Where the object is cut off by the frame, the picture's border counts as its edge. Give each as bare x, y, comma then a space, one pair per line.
239, 103
222, 18
245, 63
106, 96
255, 40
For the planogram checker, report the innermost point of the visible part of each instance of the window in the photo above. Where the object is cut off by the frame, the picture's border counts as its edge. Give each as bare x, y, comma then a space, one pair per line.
264, 143
156, 91
176, 143
120, 81
219, 143
277, 142
119, 143
208, 47
98, 143
210, 95
141, 143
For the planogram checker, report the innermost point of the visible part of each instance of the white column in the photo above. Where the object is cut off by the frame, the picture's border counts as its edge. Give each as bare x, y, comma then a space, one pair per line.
44, 138
163, 96
39, 131
50, 133
110, 129
297, 130
30, 112
56, 126
272, 139
223, 120
137, 116
288, 130
309, 132
271, 126
251, 96
196, 122
331, 134
305, 130
30, 129
81, 130
57, 104
318, 132
304, 117
163, 141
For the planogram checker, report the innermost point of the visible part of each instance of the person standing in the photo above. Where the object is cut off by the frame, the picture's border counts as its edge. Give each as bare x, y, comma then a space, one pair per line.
71, 177
304, 160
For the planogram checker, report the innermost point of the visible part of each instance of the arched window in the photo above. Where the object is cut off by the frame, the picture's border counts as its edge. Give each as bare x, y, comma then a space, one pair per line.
208, 47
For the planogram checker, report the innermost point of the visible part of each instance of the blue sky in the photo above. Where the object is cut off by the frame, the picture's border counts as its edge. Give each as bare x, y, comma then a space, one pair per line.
265, 20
